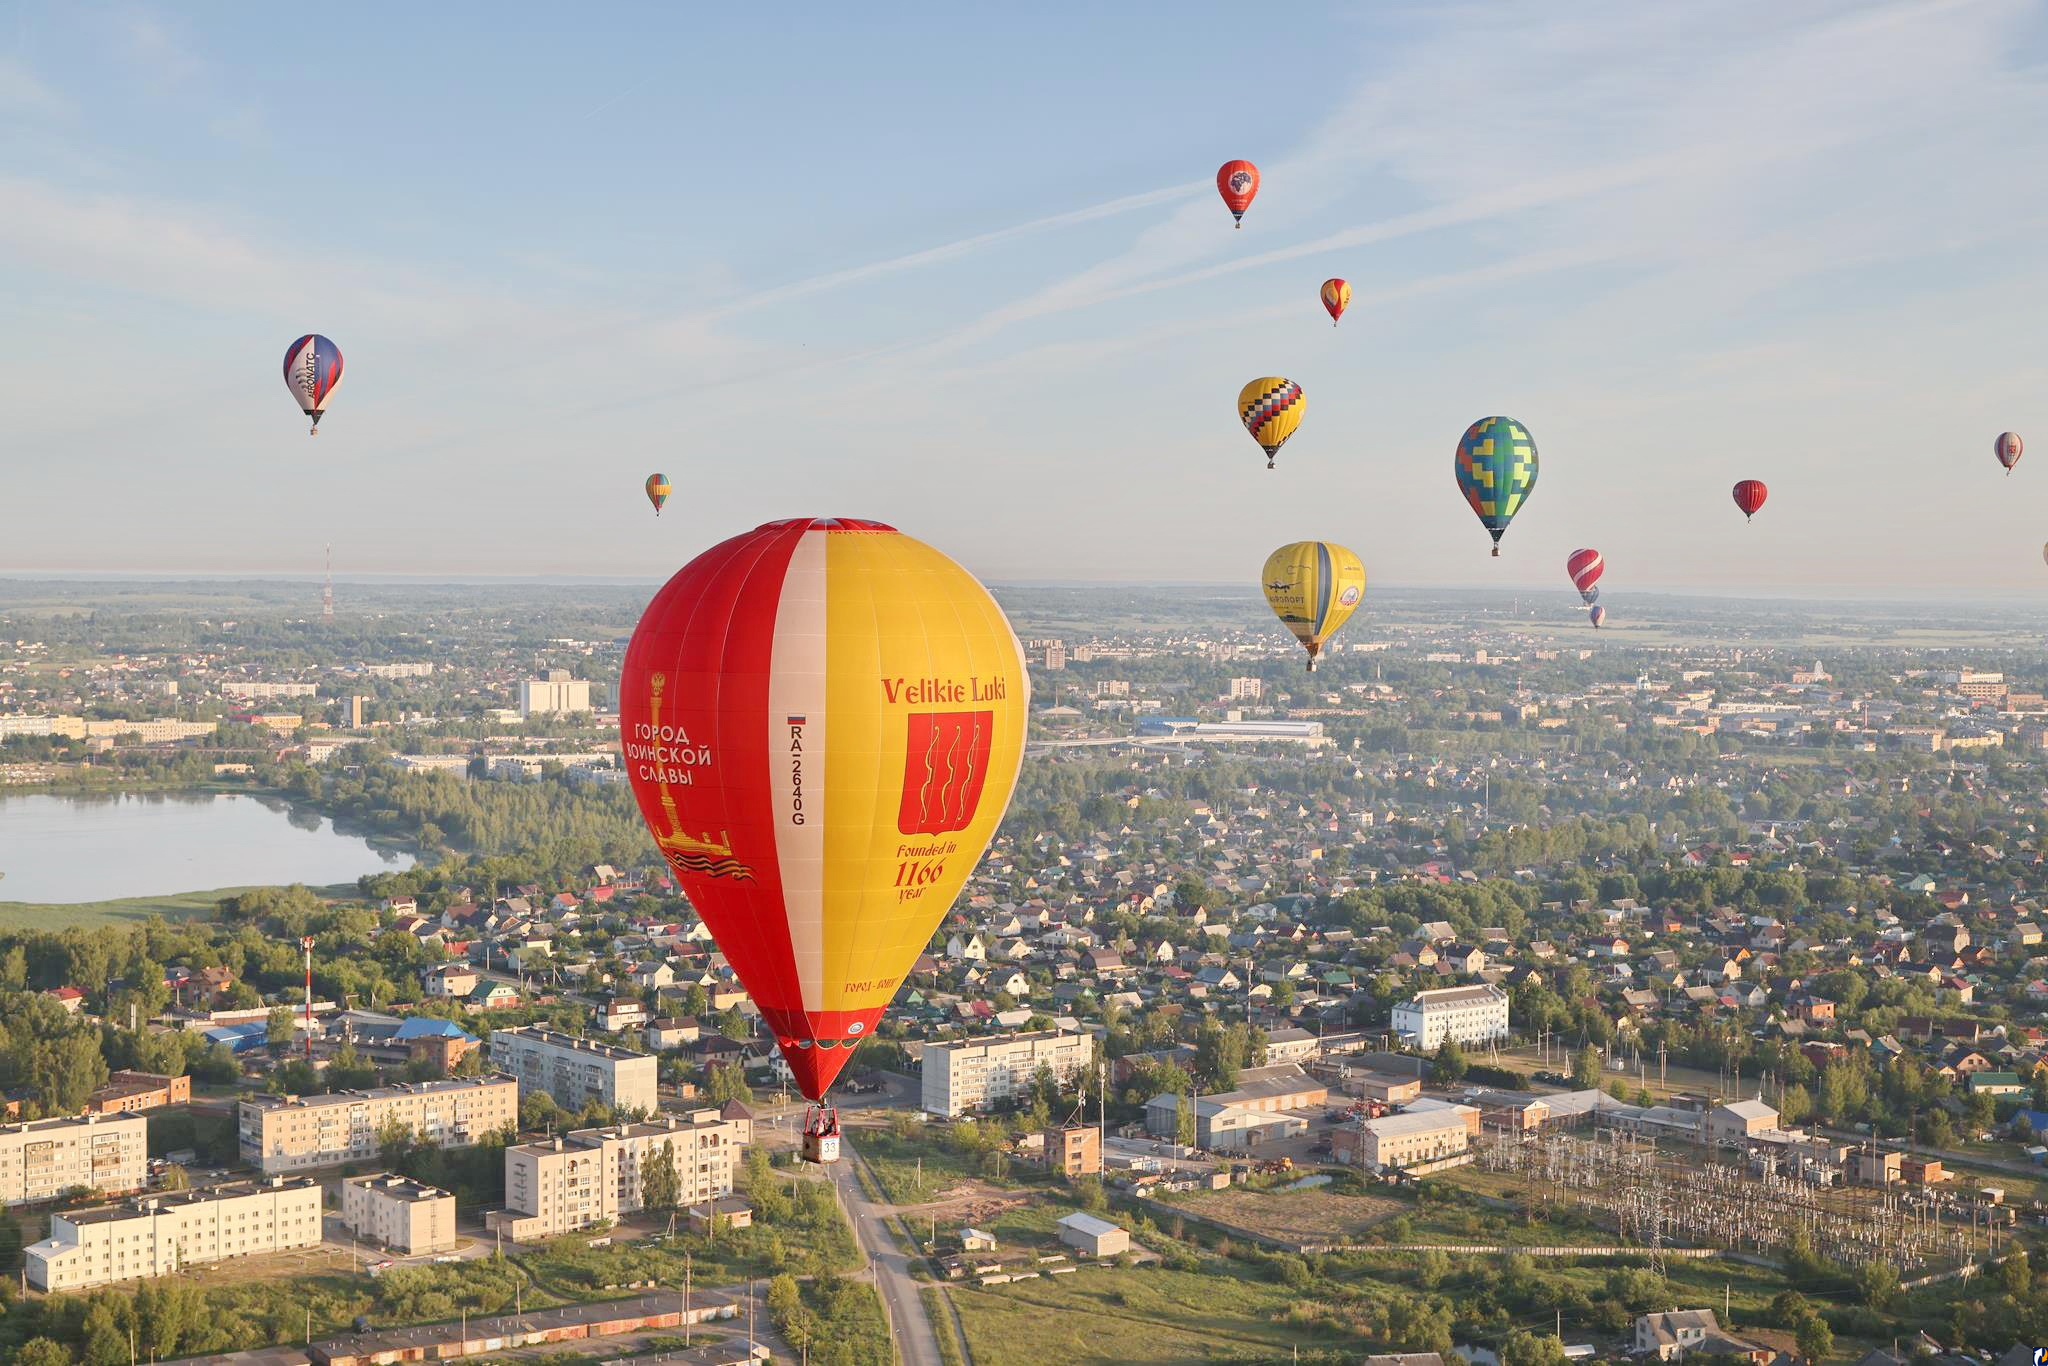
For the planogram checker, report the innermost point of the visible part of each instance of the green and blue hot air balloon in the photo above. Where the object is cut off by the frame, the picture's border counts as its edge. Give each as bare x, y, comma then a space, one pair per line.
1496, 467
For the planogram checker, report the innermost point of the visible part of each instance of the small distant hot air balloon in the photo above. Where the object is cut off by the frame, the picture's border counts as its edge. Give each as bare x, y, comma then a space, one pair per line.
1585, 567
2007, 448
312, 371
1496, 468
1238, 183
1313, 587
1271, 407
1598, 616
1336, 298
1749, 496
657, 491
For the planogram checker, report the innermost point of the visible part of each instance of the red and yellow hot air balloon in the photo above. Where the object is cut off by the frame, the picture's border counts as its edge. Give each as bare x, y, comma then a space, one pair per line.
822, 720
1336, 298
1585, 567
2007, 448
1238, 183
1749, 496
658, 491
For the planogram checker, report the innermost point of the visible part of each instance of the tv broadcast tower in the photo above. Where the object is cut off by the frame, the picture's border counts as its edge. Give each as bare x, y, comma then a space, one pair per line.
327, 592
306, 943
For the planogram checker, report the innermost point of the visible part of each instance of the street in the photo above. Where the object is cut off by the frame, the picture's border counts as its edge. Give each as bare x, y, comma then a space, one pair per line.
915, 1342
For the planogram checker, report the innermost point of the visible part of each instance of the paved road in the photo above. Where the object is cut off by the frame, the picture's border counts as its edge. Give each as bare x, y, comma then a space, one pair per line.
916, 1344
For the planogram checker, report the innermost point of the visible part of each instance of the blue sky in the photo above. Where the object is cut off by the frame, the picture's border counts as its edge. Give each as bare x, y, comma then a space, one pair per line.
965, 271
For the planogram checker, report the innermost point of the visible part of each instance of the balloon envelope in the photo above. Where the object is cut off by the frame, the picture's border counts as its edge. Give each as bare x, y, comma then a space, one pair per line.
1750, 495
1496, 467
2008, 448
657, 491
1271, 408
1585, 567
1336, 298
822, 722
1238, 183
312, 371
1313, 587
1599, 617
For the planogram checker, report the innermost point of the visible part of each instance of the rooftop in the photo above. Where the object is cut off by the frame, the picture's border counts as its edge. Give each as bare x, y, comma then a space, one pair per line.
408, 1088
555, 1039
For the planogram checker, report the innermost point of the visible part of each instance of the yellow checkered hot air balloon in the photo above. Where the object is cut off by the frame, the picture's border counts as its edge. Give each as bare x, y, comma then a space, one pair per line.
1313, 587
658, 490
1271, 408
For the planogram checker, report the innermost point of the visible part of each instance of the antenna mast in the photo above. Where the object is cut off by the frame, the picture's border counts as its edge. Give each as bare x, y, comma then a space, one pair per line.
327, 591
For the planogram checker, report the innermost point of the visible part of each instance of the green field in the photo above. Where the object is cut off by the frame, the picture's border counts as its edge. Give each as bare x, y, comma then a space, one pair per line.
1099, 1314
36, 915
40, 915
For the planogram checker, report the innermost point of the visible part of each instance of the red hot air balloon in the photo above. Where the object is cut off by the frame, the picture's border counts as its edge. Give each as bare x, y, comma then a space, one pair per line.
1336, 298
1585, 567
1238, 183
1750, 495
2007, 448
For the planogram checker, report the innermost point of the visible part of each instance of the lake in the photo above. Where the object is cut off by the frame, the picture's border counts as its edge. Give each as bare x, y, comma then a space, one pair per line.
71, 849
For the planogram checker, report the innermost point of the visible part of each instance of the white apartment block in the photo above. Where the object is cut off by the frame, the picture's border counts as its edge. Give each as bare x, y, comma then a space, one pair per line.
159, 1235
973, 1074
574, 1070
554, 693
293, 1133
566, 1183
1471, 1014
43, 1158
398, 1213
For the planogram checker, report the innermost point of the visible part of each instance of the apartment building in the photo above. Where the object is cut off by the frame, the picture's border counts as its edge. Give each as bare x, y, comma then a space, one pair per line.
293, 1133
1471, 1014
398, 1213
573, 1181
160, 1234
43, 1158
553, 693
972, 1074
574, 1070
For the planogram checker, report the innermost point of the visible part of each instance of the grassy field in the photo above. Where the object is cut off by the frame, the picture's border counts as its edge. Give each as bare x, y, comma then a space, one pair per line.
895, 1162
1317, 1215
1141, 1315
38, 915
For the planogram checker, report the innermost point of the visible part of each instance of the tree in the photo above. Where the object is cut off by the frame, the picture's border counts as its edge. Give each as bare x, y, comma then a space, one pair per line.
783, 1296
2016, 1275
42, 1352
1795, 1103
1877, 1283
725, 1081
106, 1342
174, 1178
659, 1184
1449, 1064
1586, 1068
278, 1030
1524, 1348
394, 1141
1816, 1339
1184, 1128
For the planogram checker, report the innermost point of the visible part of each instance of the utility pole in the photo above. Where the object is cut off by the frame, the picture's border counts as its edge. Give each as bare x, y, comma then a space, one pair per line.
686, 1301
306, 943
